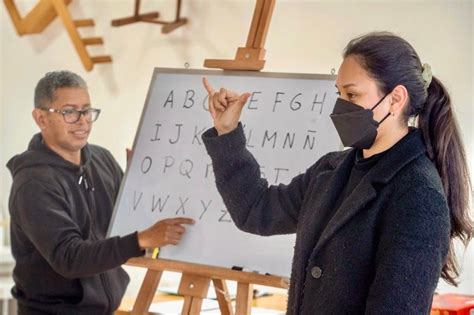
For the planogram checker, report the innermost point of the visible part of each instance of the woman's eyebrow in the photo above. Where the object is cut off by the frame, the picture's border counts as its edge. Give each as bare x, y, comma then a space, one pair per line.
347, 85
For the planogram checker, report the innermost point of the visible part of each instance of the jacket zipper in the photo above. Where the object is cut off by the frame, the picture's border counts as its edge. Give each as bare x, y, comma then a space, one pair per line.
90, 198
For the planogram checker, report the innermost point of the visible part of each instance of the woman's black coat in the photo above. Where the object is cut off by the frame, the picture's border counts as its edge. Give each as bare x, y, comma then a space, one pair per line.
384, 247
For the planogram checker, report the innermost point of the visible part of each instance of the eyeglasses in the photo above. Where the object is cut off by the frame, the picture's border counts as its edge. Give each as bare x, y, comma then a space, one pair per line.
72, 116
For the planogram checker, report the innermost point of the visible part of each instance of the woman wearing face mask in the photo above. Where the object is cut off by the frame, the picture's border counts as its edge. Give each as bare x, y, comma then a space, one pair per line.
375, 224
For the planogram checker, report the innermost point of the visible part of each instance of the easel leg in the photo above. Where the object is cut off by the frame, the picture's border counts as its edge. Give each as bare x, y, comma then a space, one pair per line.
243, 303
192, 306
222, 293
147, 292
260, 35
188, 300
194, 288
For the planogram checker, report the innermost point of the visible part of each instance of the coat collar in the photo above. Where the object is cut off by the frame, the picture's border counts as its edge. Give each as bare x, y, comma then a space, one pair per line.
410, 146
402, 153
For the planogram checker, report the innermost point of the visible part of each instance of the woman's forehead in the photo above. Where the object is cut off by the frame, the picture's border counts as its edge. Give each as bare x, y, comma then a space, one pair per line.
352, 74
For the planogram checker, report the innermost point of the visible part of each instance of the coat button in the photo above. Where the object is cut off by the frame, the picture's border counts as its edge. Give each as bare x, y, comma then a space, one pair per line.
316, 272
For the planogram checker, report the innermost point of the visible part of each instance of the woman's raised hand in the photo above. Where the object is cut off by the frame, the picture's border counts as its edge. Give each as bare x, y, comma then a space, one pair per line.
225, 107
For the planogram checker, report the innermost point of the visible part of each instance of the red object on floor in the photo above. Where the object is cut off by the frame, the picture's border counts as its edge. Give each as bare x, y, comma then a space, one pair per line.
452, 304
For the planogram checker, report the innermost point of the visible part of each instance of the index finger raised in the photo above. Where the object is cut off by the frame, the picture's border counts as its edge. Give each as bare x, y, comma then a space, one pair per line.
208, 86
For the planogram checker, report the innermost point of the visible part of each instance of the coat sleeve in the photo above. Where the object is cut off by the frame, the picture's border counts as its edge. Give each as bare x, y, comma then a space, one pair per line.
42, 212
254, 206
413, 246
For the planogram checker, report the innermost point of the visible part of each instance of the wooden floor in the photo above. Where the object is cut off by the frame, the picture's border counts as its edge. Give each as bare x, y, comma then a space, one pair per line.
276, 302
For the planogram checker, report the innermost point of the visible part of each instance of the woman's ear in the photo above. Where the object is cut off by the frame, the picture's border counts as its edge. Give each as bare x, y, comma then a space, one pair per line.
399, 100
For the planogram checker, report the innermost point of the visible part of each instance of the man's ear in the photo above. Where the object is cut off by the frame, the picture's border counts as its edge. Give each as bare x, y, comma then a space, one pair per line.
40, 118
399, 100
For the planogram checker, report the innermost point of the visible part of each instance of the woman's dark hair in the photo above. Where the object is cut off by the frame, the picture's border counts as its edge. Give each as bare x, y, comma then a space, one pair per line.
392, 61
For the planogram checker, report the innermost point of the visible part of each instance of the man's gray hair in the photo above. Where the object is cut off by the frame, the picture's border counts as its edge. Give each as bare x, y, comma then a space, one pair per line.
47, 86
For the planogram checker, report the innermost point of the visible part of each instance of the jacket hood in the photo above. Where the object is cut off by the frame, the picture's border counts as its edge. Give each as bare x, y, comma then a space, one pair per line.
39, 154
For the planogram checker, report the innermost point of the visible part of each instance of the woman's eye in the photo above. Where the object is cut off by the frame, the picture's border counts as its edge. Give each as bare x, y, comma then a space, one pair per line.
350, 96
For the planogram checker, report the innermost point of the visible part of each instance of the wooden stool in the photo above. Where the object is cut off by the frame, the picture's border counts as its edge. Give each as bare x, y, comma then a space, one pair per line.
152, 17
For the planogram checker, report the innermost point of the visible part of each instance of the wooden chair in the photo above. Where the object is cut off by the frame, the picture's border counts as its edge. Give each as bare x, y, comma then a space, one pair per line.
44, 13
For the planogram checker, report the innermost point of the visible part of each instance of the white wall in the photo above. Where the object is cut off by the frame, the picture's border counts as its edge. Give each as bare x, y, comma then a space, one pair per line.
2, 168
305, 36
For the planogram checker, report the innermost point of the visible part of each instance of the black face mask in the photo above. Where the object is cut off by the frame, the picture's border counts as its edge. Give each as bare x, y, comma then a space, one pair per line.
355, 124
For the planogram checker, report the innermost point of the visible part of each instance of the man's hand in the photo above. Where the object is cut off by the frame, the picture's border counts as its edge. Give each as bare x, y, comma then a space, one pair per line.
164, 232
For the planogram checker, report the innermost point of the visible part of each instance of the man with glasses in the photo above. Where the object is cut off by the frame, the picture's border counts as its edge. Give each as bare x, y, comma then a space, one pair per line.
61, 202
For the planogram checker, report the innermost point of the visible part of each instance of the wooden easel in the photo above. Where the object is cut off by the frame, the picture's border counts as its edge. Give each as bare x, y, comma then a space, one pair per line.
195, 282
250, 57
152, 17
196, 279
44, 12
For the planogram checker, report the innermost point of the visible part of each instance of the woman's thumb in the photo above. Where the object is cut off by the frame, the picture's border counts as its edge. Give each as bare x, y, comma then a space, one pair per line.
243, 99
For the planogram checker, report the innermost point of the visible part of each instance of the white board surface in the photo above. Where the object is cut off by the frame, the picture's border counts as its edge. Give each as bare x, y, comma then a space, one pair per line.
287, 124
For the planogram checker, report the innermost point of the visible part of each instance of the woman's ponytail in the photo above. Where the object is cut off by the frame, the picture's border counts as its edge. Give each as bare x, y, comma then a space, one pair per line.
437, 122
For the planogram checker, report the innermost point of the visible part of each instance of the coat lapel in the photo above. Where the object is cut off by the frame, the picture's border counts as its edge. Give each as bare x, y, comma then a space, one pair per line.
361, 196
330, 184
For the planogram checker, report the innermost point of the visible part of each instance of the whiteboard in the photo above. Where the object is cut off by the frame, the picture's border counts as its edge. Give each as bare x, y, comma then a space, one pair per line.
287, 125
